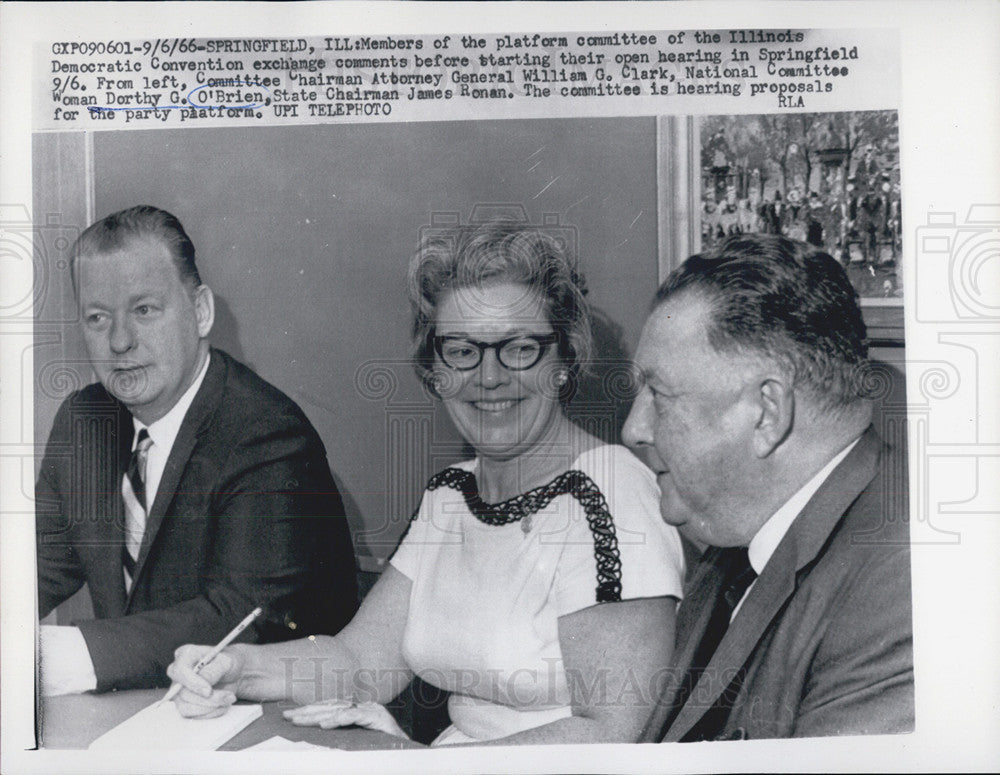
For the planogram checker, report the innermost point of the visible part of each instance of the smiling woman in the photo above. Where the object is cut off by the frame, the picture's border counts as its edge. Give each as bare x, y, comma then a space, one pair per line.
536, 583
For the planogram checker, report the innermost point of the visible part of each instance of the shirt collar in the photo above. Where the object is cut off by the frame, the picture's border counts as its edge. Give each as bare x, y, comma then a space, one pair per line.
764, 544
165, 430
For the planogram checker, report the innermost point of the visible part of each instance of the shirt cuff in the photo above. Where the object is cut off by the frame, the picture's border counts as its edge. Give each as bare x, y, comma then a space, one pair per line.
65, 666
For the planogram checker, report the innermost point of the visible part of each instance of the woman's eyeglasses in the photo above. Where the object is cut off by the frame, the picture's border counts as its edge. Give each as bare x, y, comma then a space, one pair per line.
517, 353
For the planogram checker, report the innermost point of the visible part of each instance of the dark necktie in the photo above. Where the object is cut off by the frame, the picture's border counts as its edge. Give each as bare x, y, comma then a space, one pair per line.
134, 493
737, 578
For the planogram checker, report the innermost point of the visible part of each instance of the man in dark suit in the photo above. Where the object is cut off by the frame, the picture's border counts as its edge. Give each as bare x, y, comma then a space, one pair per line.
797, 619
182, 488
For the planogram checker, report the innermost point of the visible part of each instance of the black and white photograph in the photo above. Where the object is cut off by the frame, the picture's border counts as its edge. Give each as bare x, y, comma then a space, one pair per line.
511, 393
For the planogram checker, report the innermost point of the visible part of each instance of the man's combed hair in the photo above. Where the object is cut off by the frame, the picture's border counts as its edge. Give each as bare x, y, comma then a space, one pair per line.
499, 251
787, 301
115, 231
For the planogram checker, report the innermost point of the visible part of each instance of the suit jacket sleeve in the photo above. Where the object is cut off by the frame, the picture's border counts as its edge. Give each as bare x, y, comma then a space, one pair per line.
60, 573
277, 538
861, 681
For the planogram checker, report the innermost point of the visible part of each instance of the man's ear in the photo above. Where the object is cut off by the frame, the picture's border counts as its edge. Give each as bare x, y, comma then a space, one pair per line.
776, 406
204, 310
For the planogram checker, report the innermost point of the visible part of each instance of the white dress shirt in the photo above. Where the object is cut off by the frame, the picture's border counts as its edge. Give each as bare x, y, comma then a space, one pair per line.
765, 542
164, 432
66, 666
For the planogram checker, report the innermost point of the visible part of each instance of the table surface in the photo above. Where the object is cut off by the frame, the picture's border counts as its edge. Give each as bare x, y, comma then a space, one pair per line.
76, 720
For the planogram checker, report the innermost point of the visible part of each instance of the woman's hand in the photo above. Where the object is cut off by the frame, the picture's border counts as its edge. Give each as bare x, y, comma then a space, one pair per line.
328, 714
209, 693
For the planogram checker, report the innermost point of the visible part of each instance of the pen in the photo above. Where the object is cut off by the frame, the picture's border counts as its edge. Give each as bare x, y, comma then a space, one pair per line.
174, 688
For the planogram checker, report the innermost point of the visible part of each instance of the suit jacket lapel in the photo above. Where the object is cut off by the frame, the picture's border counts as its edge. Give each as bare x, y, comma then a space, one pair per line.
807, 535
768, 594
693, 616
196, 419
696, 610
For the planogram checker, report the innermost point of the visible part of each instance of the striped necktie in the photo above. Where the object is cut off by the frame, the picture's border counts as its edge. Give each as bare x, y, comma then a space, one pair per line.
134, 495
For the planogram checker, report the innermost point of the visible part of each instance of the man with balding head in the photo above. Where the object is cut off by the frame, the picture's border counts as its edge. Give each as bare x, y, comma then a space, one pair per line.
797, 620
182, 489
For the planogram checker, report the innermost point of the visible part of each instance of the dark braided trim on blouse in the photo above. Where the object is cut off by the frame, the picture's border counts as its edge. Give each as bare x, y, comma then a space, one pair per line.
573, 482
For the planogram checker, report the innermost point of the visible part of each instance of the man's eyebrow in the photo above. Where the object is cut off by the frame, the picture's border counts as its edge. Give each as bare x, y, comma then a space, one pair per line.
144, 296
649, 377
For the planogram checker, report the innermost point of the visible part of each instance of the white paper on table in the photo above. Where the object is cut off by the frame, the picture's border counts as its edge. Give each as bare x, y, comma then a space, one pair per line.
161, 727
278, 743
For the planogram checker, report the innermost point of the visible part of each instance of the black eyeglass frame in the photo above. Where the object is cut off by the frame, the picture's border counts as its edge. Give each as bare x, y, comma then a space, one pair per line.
544, 341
